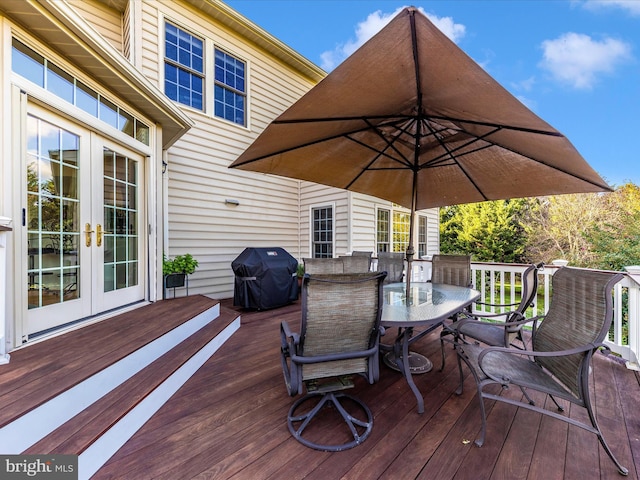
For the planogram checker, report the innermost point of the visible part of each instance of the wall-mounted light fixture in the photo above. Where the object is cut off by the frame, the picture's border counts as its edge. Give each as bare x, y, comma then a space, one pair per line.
164, 166
231, 201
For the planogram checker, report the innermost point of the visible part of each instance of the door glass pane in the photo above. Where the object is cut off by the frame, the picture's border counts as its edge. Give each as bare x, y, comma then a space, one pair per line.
53, 226
120, 221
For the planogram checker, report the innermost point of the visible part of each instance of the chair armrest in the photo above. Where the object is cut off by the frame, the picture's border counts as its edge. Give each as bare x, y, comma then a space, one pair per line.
528, 353
477, 321
496, 304
284, 327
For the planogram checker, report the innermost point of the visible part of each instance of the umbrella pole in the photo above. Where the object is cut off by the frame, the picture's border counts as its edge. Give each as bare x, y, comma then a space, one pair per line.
410, 249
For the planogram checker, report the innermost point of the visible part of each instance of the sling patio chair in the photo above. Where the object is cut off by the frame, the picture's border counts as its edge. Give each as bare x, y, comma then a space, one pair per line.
355, 264
496, 329
339, 338
393, 264
360, 253
451, 269
314, 266
563, 345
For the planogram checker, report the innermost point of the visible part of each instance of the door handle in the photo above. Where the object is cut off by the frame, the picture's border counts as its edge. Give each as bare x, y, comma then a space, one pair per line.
99, 234
87, 233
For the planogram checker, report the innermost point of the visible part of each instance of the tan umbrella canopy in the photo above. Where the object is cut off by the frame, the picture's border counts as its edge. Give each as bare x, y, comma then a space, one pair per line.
410, 118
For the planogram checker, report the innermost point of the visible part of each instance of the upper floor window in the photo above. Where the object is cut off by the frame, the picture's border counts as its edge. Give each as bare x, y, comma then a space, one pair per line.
39, 70
322, 232
230, 88
184, 67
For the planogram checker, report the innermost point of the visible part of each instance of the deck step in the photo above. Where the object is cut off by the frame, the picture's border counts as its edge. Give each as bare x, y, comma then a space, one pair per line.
96, 416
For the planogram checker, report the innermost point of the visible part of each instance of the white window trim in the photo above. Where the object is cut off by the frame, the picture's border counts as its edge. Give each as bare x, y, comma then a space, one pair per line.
331, 205
392, 209
209, 70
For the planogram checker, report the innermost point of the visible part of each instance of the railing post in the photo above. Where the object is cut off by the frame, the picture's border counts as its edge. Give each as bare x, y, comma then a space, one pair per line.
5, 228
634, 317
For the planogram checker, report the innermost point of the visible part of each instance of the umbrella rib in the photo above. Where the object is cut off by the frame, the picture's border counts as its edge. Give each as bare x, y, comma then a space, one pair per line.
449, 153
399, 117
438, 161
497, 126
380, 153
341, 119
324, 139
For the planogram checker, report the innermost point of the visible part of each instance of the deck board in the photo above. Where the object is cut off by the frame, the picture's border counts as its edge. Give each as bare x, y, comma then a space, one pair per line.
229, 420
40, 371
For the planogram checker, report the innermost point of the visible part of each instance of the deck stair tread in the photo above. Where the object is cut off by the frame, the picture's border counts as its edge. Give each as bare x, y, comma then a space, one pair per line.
78, 433
27, 381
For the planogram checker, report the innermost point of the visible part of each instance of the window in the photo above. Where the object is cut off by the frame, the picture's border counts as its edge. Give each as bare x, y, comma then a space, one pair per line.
37, 69
322, 232
229, 88
183, 67
400, 230
422, 236
382, 231
393, 235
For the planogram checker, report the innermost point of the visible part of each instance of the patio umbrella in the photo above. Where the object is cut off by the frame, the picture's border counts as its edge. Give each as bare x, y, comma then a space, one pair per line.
410, 118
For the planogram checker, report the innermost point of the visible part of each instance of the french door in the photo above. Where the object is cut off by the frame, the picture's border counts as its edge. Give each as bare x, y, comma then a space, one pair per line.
86, 248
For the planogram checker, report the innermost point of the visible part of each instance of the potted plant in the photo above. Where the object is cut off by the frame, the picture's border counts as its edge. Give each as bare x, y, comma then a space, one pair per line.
175, 270
300, 274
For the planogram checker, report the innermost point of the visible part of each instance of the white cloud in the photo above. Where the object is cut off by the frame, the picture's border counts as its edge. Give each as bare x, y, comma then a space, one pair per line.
373, 24
631, 6
578, 60
526, 84
528, 102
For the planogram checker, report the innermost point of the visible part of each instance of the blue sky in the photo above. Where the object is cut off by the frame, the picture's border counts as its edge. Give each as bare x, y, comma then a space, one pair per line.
575, 63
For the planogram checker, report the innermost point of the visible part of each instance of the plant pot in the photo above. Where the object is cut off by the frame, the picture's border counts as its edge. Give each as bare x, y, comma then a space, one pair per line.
174, 280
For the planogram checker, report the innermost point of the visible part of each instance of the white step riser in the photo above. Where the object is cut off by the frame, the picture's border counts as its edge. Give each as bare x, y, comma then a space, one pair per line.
92, 459
27, 430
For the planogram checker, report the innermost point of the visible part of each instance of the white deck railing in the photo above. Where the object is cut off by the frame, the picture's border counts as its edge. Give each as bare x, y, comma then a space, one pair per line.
503, 280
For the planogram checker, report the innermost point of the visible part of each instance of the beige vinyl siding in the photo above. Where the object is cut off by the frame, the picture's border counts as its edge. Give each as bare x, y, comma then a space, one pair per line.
433, 230
106, 20
363, 228
199, 180
151, 46
126, 33
314, 195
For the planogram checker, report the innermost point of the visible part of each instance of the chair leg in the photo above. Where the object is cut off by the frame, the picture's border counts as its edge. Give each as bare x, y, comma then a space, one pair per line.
460, 386
560, 407
531, 402
621, 470
354, 424
444, 333
442, 351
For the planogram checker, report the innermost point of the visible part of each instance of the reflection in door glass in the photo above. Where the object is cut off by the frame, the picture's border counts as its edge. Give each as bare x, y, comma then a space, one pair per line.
120, 221
53, 227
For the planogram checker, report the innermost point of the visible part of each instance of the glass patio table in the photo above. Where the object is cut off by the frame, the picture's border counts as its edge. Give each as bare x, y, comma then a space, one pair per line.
427, 306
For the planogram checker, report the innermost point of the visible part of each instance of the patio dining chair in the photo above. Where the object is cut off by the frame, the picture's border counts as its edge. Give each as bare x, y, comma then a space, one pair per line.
355, 263
563, 345
393, 264
314, 266
339, 338
451, 269
360, 253
495, 329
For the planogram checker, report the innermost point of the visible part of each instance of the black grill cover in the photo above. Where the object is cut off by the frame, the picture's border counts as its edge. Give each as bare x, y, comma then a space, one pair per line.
265, 278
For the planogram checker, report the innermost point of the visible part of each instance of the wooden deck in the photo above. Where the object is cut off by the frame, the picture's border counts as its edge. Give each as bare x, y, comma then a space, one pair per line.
229, 422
